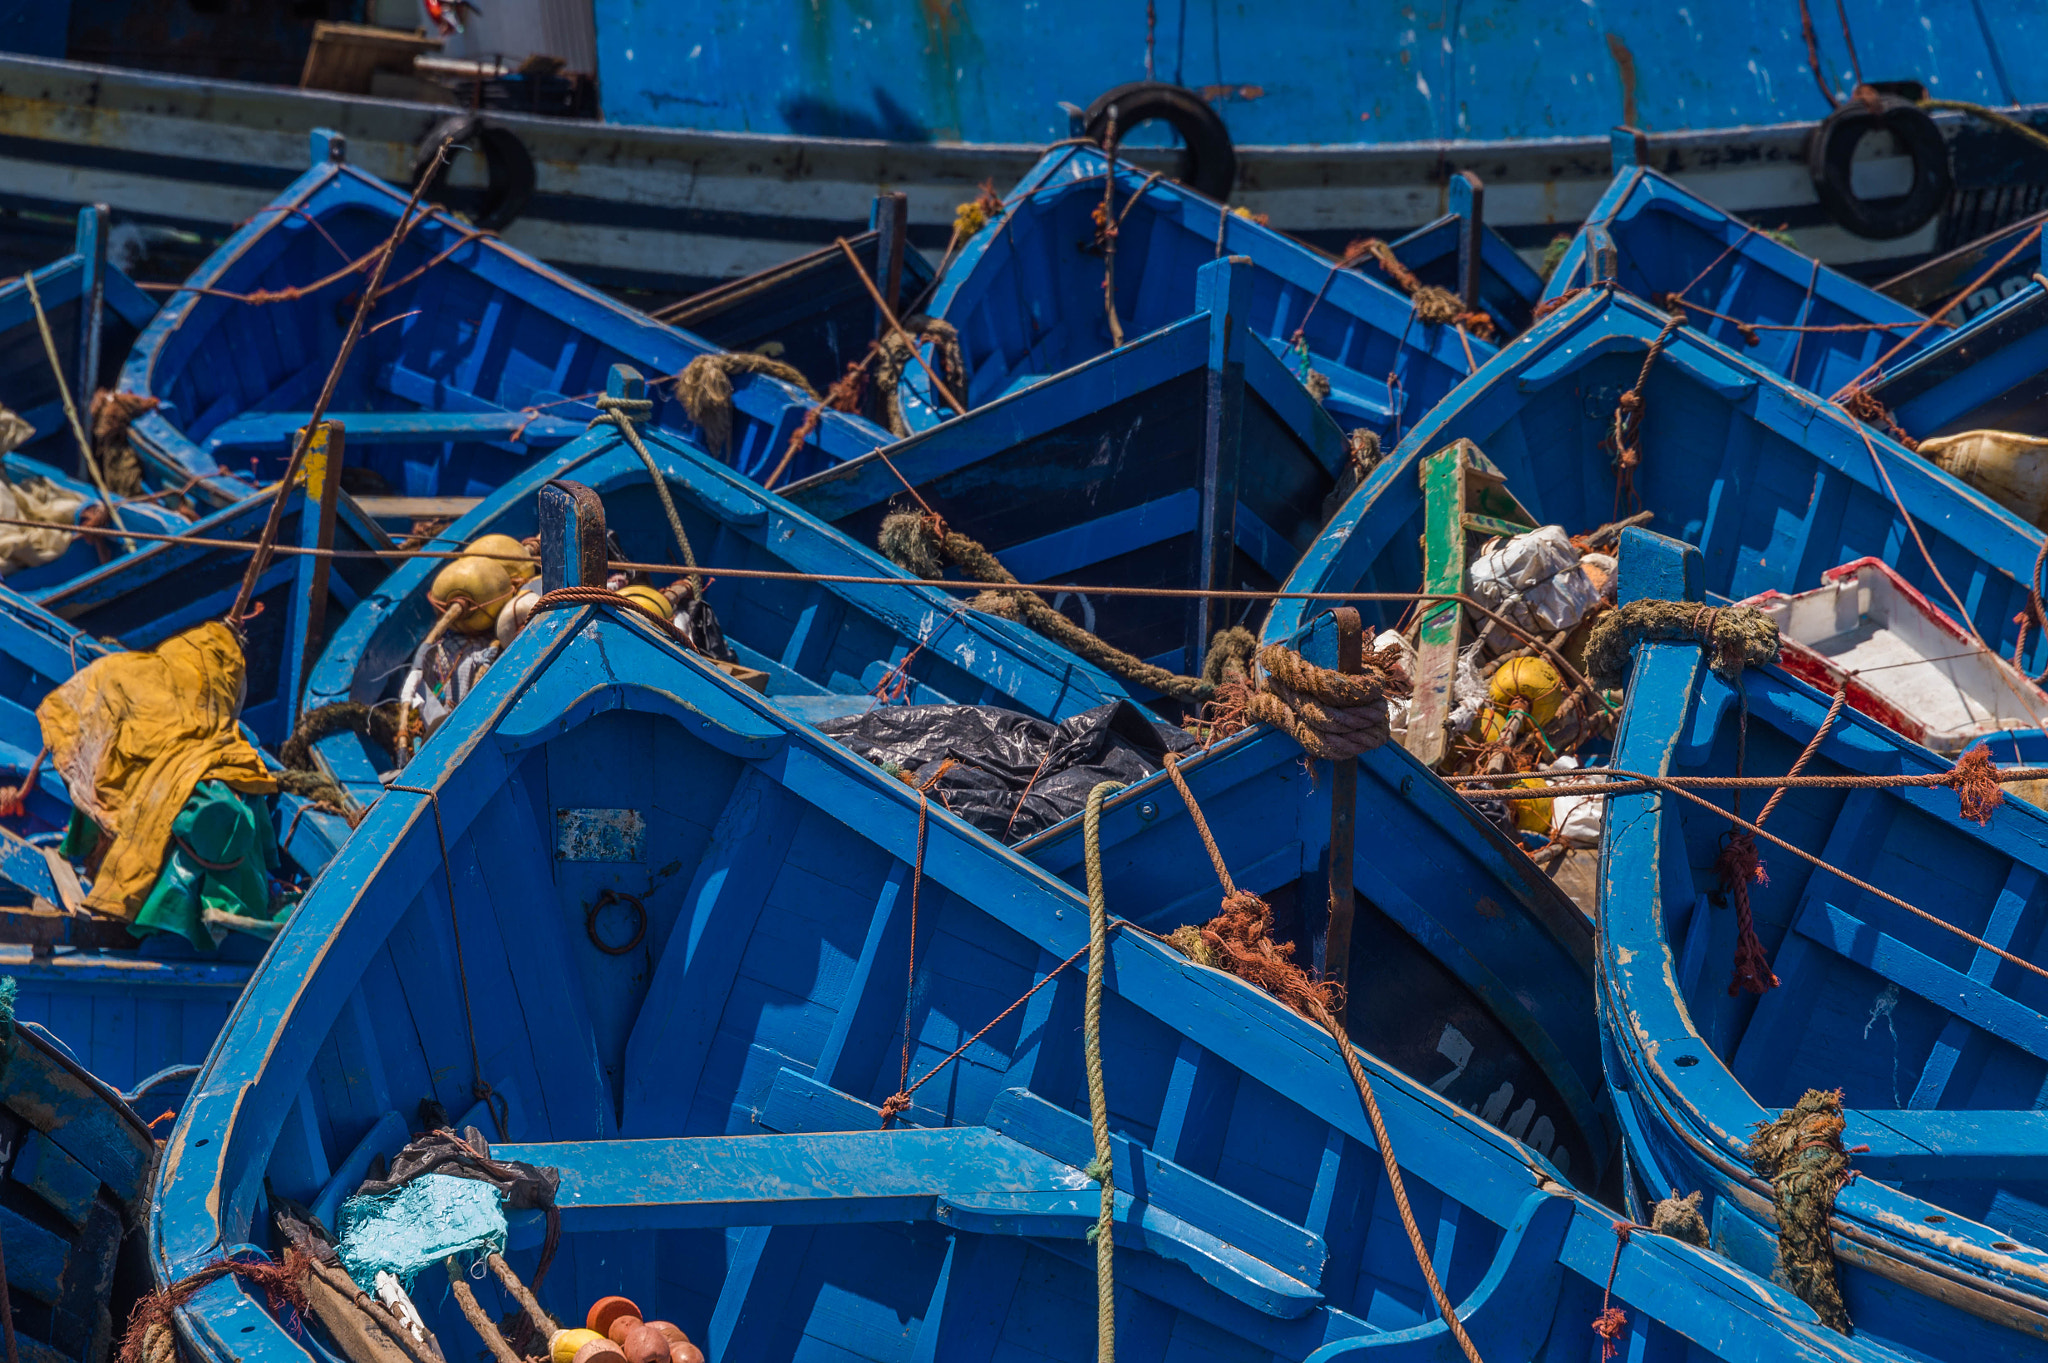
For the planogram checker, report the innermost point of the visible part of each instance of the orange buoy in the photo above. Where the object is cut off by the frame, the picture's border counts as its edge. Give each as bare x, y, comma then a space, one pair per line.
606, 1311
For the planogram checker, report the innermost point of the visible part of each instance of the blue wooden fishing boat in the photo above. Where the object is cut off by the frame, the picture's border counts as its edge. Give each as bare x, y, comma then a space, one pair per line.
94, 312
684, 923
1658, 240
1190, 456
825, 648
1026, 295
1773, 485
1926, 1018
127, 1012
475, 358
79, 1166
1500, 1023
1989, 374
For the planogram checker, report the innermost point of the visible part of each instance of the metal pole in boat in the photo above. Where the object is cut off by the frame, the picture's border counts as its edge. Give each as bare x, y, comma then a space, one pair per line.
1343, 823
890, 221
92, 303
1468, 201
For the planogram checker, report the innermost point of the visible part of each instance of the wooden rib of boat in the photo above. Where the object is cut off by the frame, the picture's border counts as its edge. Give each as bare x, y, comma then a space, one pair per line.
1774, 486
1937, 1042
475, 359
828, 648
709, 1094
1653, 237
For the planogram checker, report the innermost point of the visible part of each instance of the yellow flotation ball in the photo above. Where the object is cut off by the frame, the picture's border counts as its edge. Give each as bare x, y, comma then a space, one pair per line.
508, 551
649, 600
562, 1346
1533, 682
1533, 816
482, 582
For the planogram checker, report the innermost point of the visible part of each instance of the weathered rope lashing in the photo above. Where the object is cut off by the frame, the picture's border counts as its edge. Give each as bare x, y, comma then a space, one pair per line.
923, 545
625, 414
1735, 637
895, 357
1801, 1153
1333, 715
705, 389
1239, 941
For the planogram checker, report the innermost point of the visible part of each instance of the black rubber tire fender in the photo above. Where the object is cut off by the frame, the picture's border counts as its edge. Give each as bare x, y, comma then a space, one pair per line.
1832, 148
1208, 160
507, 163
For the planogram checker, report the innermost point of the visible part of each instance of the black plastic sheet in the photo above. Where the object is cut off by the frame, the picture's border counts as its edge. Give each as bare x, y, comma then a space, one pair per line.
1013, 774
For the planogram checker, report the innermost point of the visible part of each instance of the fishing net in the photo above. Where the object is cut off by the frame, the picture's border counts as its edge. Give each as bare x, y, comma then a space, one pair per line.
419, 1225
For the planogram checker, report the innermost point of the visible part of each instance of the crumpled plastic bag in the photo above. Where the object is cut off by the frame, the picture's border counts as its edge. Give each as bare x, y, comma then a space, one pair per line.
1536, 580
134, 734
1013, 775
1574, 819
1397, 706
35, 499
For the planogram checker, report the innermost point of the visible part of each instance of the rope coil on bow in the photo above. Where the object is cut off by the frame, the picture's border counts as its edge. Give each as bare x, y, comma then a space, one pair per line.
705, 390
1333, 715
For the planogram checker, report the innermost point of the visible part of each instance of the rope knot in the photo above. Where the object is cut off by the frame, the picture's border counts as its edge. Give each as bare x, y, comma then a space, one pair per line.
894, 1106
633, 409
1736, 636
1737, 865
1801, 1153
1975, 782
705, 390
1333, 715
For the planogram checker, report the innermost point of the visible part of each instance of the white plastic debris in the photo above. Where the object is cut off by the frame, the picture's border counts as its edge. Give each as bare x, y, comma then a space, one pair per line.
1538, 580
1397, 706
1468, 690
1574, 819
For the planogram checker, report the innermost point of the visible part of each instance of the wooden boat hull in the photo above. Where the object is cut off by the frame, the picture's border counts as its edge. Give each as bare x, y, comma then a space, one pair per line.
80, 1163
1939, 1243
1651, 236
710, 1095
1026, 296
1990, 374
1191, 456
828, 648
476, 360
686, 210
1775, 486
1469, 969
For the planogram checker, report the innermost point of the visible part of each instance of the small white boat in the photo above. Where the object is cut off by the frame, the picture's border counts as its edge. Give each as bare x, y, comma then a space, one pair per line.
1906, 663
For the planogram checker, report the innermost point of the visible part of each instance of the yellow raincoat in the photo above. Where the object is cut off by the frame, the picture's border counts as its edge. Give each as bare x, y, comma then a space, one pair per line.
134, 733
